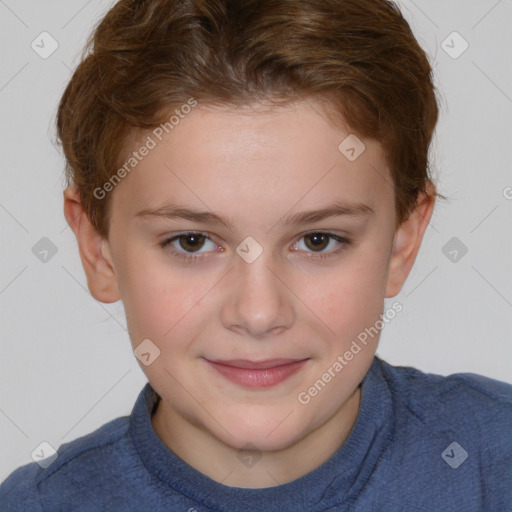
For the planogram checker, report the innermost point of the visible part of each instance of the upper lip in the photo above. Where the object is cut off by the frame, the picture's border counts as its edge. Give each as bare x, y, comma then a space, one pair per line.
255, 365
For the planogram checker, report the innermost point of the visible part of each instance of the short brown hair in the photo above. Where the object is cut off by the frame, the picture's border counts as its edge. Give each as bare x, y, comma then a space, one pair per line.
147, 57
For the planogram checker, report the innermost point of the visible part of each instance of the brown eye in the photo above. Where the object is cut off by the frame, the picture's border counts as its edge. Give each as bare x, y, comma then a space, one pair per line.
317, 241
192, 241
188, 246
316, 244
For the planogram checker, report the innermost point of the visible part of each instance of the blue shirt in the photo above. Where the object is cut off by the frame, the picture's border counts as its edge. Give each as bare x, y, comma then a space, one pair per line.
421, 442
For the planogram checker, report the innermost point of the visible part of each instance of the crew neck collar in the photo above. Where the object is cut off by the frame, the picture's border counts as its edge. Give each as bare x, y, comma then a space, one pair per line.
342, 475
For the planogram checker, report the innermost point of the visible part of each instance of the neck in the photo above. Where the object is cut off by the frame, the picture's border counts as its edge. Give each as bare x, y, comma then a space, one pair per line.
213, 458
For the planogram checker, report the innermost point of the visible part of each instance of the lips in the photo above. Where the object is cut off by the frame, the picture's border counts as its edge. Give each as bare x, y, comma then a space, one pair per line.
256, 365
257, 374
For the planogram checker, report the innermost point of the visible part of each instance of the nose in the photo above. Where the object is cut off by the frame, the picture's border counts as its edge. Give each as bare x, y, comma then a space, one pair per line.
260, 304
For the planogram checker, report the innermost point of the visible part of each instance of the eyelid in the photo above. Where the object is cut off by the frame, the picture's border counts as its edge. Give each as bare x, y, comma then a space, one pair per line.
342, 240
171, 238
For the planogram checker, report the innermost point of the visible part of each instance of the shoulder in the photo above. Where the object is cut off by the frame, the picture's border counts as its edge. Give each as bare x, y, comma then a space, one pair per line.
463, 402
18, 492
459, 422
29, 486
456, 393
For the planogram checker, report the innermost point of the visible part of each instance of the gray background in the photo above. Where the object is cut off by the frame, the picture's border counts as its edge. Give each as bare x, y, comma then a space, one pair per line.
66, 366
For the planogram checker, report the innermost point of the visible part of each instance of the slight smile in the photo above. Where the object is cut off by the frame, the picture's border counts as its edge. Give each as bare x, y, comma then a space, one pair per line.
261, 374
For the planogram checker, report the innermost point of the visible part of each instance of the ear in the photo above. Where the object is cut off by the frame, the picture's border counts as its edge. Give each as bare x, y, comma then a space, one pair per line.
407, 242
94, 250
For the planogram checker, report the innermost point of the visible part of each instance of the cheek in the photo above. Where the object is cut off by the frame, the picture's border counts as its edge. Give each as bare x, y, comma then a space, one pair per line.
351, 298
155, 300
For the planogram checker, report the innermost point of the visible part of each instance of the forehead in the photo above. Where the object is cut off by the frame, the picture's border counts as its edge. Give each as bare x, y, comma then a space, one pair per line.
221, 158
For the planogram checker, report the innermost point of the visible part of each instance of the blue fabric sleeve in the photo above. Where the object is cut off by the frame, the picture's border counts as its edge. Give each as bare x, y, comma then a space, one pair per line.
19, 493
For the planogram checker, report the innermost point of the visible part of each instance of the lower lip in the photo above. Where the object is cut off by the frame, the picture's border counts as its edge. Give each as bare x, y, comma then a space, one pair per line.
261, 378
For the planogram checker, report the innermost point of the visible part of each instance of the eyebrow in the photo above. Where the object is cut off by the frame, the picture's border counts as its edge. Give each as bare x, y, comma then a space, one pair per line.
172, 211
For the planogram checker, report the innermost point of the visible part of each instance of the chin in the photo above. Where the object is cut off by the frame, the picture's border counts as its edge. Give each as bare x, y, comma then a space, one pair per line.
265, 434
249, 441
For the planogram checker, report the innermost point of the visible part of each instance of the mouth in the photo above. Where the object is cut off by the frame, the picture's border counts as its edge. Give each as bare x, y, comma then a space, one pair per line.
257, 374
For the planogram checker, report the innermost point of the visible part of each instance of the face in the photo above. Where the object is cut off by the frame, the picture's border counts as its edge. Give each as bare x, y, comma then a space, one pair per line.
249, 312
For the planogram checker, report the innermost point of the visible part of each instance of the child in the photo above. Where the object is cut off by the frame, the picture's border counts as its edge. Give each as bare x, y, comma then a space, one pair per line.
251, 180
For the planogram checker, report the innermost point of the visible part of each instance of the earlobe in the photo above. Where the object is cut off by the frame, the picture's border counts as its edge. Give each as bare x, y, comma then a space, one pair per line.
94, 250
407, 242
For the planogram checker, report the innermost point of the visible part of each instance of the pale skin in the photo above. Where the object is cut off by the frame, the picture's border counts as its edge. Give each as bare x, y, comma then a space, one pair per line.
254, 167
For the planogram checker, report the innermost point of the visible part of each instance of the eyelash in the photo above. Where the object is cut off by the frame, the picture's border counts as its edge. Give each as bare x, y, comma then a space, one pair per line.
193, 257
